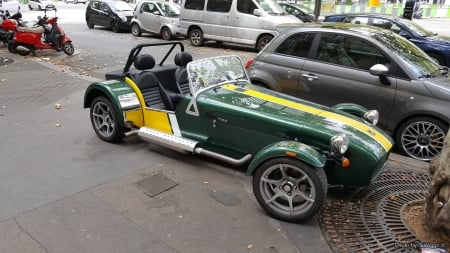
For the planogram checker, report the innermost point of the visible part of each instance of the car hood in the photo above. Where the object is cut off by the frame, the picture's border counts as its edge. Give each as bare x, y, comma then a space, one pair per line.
286, 114
439, 87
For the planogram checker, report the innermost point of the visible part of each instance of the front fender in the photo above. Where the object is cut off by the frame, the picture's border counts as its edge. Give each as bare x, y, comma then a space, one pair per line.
292, 149
110, 89
351, 108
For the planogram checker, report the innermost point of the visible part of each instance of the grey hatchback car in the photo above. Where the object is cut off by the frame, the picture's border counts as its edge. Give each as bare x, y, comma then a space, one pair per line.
343, 63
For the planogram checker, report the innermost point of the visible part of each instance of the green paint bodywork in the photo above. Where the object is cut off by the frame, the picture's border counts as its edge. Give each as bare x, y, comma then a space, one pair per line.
235, 124
303, 152
110, 89
353, 109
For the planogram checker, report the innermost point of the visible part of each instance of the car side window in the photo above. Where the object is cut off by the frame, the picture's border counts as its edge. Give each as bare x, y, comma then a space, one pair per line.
333, 49
356, 20
194, 4
104, 7
382, 23
349, 51
95, 5
219, 5
246, 6
297, 45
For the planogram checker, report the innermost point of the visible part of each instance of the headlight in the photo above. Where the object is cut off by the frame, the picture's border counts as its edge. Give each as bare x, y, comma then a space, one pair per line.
128, 101
371, 117
339, 143
124, 19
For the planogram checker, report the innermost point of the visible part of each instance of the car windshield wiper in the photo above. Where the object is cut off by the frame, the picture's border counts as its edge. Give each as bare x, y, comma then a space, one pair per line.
426, 76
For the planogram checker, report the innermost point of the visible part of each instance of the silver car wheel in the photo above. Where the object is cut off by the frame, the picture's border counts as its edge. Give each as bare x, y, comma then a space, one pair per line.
290, 190
423, 140
104, 120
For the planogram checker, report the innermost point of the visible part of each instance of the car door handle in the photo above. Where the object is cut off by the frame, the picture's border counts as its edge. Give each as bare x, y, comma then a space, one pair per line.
310, 77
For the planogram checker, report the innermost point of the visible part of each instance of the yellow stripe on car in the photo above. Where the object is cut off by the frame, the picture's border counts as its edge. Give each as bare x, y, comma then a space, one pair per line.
368, 130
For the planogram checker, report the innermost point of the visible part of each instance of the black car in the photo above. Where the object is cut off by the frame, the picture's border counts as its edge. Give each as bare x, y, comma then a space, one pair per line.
436, 47
298, 11
111, 14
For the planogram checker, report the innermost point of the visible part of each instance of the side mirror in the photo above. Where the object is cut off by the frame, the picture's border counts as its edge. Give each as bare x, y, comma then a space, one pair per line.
156, 13
257, 12
404, 34
378, 70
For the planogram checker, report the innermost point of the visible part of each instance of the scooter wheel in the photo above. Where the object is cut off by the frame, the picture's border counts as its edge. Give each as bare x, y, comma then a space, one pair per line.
68, 48
12, 47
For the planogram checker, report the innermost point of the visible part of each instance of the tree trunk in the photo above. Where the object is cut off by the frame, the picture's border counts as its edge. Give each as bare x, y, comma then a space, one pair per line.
437, 204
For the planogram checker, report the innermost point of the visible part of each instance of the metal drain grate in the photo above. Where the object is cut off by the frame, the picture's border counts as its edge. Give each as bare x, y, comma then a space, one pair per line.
370, 219
5, 61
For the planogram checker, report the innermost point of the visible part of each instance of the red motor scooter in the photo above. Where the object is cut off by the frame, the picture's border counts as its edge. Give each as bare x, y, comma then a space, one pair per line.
46, 34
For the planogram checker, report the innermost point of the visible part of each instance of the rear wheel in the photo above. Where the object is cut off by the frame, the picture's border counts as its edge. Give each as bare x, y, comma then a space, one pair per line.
90, 24
421, 138
135, 29
263, 41
104, 120
166, 34
115, 26
68, 48
290, 190
196, 37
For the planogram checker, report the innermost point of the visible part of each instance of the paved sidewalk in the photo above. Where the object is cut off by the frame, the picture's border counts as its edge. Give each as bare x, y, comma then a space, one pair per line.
204, 207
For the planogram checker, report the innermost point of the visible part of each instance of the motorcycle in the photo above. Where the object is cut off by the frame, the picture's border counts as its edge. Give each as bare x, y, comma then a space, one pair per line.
46, 34
9, 24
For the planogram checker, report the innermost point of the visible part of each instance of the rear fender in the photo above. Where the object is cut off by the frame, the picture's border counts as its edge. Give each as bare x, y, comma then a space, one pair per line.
110, 89
291, 149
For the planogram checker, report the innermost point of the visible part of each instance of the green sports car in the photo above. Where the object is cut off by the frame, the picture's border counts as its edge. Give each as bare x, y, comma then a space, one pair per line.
293, 148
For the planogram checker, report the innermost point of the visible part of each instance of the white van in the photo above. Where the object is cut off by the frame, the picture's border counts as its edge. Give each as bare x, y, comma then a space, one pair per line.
250, 22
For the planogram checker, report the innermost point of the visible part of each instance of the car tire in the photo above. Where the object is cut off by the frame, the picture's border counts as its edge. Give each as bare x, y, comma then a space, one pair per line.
437, 58
90, 24
196, 37
104, 120
166, 34
421, 138
115, 26
263, 41
136, 30
301, 189
68, 48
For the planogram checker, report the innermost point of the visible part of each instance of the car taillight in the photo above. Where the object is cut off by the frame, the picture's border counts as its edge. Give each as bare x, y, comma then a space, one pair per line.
249, 63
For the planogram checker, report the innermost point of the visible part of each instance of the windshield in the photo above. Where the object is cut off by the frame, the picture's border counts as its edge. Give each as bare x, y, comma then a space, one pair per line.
271, 7
211, 71
420, 31
169, 9
415, 59
120, 6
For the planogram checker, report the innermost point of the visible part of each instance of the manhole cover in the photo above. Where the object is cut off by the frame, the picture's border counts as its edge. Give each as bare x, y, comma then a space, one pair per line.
369, 219
5, 61
156, 184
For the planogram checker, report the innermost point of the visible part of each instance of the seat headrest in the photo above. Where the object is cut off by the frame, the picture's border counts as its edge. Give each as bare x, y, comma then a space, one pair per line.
144, 61
183, 58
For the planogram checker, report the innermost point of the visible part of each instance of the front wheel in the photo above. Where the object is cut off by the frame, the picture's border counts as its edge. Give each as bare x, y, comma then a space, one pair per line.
263, 41
135, 29
290, 190
196, 37
421, 138
438, 59
166, 34
115, 26
12, 47
90, 24
68, 48
104, 120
